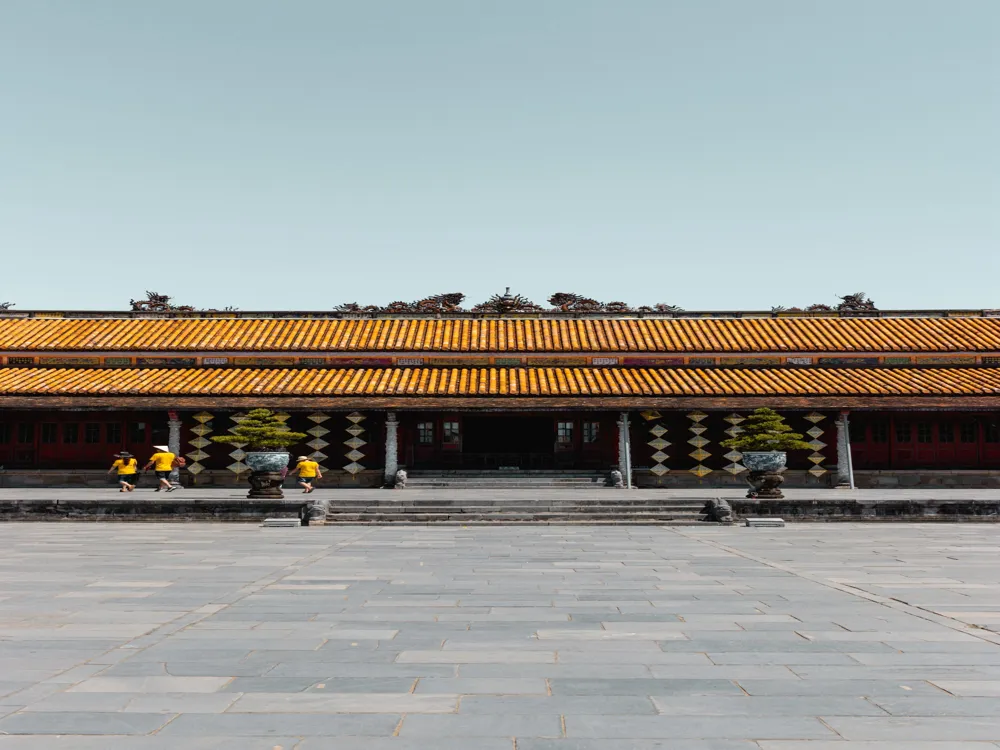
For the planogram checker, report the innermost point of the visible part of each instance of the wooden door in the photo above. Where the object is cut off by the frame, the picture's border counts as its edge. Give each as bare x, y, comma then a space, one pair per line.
990, 442
902, 444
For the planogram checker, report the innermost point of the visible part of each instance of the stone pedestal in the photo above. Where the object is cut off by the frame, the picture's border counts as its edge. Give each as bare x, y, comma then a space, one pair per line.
765, 484
265, 484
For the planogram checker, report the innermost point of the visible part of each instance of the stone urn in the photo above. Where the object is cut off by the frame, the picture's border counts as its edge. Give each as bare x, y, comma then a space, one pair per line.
765, 469
266, 472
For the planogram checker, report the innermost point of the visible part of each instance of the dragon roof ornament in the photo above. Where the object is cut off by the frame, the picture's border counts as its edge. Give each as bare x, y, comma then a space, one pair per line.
849, 303
439, 303
156, 302
507, 303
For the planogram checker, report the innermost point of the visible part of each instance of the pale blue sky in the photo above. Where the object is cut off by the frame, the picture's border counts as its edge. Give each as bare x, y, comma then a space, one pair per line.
298, 154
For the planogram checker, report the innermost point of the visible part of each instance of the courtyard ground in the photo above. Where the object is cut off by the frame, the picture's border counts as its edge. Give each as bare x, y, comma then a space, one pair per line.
198, 636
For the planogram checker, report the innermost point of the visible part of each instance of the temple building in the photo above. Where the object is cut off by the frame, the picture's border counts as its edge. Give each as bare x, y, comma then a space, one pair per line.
887, 398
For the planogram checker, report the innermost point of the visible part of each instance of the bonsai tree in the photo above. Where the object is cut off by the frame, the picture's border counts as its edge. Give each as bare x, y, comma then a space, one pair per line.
261, 431
765, 430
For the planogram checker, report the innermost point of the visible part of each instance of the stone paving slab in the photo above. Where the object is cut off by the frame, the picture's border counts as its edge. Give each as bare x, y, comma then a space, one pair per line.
218, 637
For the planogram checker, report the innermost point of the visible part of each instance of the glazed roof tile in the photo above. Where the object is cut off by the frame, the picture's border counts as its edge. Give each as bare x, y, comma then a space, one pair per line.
498, 381
626, 335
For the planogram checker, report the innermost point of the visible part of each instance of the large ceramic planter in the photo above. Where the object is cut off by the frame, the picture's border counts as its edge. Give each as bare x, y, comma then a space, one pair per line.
265, 472
765, 472
764, 460
267, 460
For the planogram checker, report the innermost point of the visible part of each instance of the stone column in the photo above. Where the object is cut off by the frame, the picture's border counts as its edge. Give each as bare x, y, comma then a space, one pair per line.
624, 449
845, 473
174, 444
391, 447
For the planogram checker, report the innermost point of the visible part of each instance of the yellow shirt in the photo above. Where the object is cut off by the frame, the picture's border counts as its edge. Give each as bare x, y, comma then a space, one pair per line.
125, 467
307, 469
164, 461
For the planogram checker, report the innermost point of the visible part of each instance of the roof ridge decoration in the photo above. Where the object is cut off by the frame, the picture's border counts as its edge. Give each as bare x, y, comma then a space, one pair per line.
439, 303
501, 304
156, 302
574, 303
849, 303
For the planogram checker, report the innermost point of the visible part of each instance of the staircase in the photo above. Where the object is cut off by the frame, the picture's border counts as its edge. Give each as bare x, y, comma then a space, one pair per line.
479, 506
506, 480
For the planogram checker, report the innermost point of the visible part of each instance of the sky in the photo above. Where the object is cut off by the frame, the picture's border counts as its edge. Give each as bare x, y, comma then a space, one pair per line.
713, 154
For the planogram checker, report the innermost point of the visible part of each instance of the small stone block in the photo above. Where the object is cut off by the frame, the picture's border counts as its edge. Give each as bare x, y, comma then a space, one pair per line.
281, 522
765, 522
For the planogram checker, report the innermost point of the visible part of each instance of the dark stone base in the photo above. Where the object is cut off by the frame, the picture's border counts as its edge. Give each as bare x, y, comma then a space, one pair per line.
971, 479
850, 509
678, 479
265, 484
130, 508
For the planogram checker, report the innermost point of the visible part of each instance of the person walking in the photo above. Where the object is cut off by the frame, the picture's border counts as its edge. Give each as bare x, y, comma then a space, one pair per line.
308, 472
163, 463
127, 468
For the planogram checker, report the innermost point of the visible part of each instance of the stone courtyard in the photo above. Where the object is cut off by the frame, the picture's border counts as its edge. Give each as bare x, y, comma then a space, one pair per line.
199, 636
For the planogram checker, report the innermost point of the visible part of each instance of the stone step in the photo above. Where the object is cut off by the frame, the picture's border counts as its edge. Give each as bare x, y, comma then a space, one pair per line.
504, 473
506, 479
541, 514
515, 522
511, 483
505, 518
567, 501
514, 508
540, 506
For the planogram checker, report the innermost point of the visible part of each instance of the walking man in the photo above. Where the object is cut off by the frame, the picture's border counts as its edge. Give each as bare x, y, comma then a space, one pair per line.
128, 469
163, 463
308, 473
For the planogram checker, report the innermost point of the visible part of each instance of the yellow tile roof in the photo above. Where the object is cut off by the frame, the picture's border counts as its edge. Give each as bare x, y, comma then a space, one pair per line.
499, 381
505, 335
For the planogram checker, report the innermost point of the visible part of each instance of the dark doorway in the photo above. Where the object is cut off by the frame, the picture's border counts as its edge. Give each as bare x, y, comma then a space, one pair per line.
503, 434
507, 442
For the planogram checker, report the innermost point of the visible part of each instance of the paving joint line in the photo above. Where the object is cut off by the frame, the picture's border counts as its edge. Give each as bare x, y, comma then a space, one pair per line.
885, 601
244, 592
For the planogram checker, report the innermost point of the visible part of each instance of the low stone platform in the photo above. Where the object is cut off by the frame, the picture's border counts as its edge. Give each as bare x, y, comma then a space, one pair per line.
497, 506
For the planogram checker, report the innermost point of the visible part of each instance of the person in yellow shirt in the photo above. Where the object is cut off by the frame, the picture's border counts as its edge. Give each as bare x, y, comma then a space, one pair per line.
308, 473
127, 468
163, 463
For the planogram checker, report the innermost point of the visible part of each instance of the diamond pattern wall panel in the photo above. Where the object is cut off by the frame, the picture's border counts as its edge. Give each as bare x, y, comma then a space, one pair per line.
699, 453
199, 442
816, 432
734, 457
355, 431
318, 442
658, 443
238, 454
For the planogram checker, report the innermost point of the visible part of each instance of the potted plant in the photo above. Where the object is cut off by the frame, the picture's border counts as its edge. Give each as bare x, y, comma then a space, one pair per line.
764, 440
265, 438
